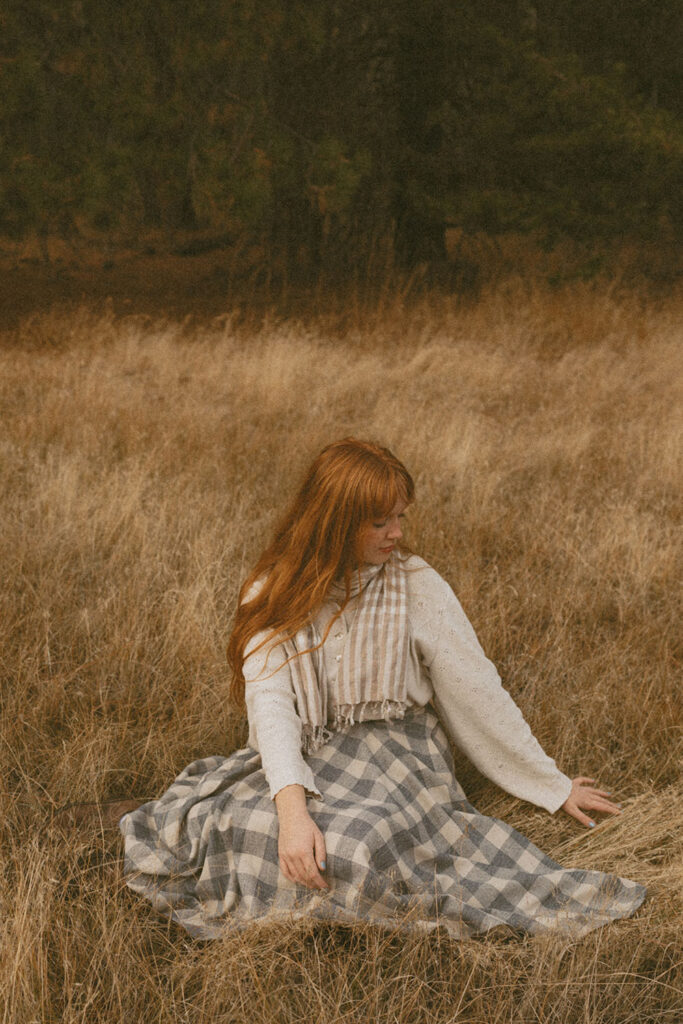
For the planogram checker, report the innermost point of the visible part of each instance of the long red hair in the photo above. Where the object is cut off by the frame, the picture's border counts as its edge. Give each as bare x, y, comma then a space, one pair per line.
350, 484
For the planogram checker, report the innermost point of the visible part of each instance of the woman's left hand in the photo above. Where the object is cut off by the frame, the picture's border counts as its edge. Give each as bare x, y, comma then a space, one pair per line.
584, 797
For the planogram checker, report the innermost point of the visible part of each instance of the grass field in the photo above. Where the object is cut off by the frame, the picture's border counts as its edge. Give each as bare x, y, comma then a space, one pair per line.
142, 463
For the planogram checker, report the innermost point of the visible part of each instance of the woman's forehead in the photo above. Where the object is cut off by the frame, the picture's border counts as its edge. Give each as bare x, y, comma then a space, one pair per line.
399, 506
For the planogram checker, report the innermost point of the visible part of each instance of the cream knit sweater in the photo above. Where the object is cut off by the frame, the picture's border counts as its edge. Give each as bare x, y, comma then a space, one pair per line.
448, 667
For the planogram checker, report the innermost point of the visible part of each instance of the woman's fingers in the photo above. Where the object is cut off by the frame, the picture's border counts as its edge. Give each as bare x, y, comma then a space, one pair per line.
317, 861
595, 800
303, 870
606, 806
285, 869
579, 815
584, 797
306, 873
319, 849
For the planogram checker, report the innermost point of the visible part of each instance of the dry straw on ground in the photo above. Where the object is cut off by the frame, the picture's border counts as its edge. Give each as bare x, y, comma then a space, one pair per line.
141, 465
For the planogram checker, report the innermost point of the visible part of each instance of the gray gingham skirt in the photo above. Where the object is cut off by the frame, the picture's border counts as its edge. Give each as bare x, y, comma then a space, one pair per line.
404, 847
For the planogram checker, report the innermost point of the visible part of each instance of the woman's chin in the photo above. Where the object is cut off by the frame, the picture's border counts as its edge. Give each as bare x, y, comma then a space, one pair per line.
379, 558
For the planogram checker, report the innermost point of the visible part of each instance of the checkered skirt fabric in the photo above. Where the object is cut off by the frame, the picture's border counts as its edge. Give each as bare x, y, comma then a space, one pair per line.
404, 847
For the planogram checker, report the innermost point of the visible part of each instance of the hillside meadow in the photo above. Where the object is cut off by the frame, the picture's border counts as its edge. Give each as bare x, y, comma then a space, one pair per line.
142, 463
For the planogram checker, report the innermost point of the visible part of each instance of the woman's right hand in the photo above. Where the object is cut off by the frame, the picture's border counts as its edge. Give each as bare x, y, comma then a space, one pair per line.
301, 845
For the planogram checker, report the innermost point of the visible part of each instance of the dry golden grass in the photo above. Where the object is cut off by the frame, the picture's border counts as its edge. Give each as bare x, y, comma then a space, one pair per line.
142, 462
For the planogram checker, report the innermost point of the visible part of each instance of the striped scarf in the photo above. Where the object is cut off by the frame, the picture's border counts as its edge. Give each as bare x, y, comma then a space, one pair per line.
371, 683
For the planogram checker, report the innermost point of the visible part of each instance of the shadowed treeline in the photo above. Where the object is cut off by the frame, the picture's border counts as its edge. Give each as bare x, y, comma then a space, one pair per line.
340, 136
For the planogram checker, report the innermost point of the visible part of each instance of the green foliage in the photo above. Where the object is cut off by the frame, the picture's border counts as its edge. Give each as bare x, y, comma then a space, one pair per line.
318, 129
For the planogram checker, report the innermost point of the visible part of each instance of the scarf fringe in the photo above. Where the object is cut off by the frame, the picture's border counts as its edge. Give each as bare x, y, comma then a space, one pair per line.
313, 737
345, 715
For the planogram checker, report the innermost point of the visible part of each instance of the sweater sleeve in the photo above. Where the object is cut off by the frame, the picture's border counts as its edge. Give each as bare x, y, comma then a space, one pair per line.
480, 715
274, 725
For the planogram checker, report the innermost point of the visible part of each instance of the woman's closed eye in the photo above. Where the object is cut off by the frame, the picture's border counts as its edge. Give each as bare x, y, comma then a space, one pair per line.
380, 526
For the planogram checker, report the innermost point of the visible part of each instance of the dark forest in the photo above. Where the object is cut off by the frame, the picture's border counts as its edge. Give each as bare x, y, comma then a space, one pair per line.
331, 134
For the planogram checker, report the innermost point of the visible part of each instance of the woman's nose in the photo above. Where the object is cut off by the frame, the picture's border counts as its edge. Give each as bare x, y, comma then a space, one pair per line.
394, 530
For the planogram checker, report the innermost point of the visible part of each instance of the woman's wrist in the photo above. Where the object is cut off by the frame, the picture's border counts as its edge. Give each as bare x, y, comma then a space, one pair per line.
290, 801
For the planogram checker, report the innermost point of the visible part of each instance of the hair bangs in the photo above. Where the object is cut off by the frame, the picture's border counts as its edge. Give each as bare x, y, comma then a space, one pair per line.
385, 490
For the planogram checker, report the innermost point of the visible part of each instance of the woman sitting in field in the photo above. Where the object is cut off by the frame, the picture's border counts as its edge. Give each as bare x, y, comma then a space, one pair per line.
358, 665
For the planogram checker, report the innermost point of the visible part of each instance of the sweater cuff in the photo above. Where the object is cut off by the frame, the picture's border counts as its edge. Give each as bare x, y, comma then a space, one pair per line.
559, 794
299, 776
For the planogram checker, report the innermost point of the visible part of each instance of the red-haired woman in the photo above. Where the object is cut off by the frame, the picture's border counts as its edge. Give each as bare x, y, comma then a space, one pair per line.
358, 664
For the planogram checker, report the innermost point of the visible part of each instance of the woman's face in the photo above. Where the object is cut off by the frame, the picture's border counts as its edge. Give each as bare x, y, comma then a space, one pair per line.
378, 538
